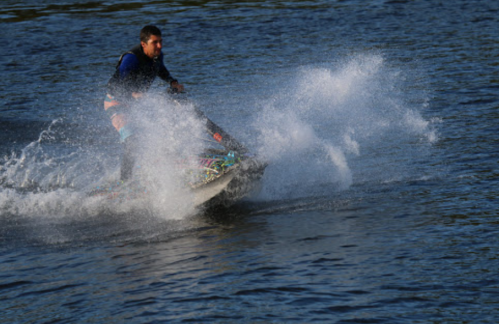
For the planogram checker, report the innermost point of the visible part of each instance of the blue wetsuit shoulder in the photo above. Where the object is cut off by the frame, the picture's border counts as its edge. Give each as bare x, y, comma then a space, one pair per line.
128, 64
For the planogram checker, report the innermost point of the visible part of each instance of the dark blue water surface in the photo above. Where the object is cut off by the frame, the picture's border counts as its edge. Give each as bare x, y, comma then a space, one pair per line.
379, 120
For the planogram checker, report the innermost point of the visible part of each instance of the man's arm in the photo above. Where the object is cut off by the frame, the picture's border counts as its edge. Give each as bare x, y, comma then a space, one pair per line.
164, 74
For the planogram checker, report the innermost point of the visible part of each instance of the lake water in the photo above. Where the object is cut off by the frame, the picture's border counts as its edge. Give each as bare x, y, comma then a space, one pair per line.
379, 120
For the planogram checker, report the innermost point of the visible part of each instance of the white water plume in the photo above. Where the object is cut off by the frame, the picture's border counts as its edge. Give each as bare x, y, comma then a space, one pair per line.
325, 118
169, 131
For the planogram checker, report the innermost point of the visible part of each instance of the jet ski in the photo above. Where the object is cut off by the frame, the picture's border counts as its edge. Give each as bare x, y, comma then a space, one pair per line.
217, 177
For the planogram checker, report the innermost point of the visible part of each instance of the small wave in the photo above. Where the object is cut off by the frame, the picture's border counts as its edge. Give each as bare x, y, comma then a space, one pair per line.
15, 284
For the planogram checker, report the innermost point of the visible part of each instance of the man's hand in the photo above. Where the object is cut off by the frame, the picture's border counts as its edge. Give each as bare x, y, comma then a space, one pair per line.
178, 86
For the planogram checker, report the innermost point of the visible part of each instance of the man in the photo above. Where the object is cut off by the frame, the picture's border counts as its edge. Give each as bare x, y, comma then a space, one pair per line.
135, 72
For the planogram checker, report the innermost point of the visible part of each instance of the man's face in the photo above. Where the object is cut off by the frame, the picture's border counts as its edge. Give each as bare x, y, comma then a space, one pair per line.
153, 46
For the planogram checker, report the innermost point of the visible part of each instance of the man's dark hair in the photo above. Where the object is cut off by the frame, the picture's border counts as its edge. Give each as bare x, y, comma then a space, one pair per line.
148, 31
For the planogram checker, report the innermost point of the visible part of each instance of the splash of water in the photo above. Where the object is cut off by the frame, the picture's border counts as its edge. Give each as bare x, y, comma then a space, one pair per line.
328, 124
50, 179
170, 131
326, 129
